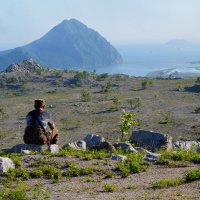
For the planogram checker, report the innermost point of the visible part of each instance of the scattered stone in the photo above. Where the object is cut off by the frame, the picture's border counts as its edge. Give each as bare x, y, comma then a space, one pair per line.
81, 144
118, 157
151, 140
125, 146
32, 147
107, 145
151, 156
53, 148
186, 145
52, 106
6, 164
26, 152
93, 140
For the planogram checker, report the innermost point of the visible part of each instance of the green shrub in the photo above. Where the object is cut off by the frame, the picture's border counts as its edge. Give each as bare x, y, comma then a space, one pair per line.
86, 170
192, 175
85, 96
116, 104
172, 156
81, 75
58, 73
133, 164
172, 163
197, 109
102, 77
134, 102
14, 195
57, 83
110, 174
40, 193
15, 173
51, 172
107, 87
36, 173
167, 182
146, 82
166, 117
109, 187
73, 170
198, 80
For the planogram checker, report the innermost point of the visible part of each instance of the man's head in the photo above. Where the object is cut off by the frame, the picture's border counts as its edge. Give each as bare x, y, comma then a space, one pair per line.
39, 104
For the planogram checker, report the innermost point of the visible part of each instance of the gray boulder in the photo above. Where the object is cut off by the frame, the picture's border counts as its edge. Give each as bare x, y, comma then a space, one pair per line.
6, 164
107, 145
93, 140
151, 140
186, 145
125, 146
21, 147
118, 157
81, 144
151, 156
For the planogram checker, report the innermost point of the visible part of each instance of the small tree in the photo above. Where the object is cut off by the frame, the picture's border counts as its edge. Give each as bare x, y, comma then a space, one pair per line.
198, 80
107, 87
57, 83
85, 95
127, 121
146, 82
135, 102
116, 103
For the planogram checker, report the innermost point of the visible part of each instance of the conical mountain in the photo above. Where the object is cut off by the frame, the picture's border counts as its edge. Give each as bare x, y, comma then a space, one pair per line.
69, 44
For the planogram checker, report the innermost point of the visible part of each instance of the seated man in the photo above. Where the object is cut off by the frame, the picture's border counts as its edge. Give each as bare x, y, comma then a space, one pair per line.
38, 121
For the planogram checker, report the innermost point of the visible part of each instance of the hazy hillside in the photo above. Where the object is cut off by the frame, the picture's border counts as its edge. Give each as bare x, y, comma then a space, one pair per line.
69, 44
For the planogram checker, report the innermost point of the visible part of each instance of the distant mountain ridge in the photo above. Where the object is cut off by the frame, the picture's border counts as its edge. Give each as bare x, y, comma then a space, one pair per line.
69, 44
178, 42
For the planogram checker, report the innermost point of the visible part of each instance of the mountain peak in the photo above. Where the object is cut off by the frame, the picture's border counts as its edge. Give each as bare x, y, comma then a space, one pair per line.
69, 44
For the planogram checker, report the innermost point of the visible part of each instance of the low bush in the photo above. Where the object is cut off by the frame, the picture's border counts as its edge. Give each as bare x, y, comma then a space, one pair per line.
14, 195
36, 173
109, 187
133, 164
16, 173
197, 109
192, 175
167, 182
170, 157
51, 172
73, 170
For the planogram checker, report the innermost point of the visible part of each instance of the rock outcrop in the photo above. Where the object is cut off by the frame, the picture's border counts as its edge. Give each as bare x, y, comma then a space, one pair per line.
93, 141
24, 67
151, 140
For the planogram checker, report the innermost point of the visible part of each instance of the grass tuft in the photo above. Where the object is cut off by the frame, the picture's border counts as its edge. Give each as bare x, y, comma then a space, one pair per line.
167, 182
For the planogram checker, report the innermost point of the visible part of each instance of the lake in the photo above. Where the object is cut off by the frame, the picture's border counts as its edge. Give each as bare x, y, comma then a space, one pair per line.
142, 59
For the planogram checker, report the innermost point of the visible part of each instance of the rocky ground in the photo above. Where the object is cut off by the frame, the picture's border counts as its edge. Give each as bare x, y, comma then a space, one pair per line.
135, 186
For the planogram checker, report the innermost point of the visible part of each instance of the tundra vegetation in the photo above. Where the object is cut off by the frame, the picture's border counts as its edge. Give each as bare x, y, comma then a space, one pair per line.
83, 102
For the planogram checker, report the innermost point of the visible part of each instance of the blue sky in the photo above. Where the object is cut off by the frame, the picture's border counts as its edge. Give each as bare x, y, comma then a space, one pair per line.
119, 21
